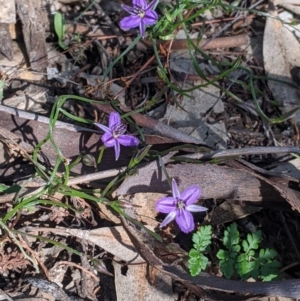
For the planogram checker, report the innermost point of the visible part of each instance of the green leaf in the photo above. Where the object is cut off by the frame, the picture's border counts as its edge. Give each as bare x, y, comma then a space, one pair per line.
242, 257
222, 254
254, 269
253, 262
267, 254
3, 187
167, 37
202, 238
9, 189
194, 253
168, 16
253, 241
196, 265
2, 86
270, 277
231, 236
270, 269
236, 248
60, 27
245, 246
246, 267
243, 268
161, 73
251, 253
227, 267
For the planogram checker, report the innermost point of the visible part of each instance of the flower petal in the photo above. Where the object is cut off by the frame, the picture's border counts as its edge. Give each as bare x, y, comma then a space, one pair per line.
191, 195
185, 221
152, 5
166, 205
129, 9
195, 208
150, 17
102, 127
108, 140
117, 150
130, 22
142, 28
175, 191
140, 3
114, 120
128, 140
170, 217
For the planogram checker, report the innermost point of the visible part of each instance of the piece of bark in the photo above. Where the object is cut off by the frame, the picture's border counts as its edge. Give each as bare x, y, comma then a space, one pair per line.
221, 42
279, 184
287, 288
217, 182
31, 15
6, 42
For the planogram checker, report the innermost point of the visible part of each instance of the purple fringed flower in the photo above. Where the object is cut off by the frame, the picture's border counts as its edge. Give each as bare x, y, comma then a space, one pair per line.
114, 134
180, 206
142, 15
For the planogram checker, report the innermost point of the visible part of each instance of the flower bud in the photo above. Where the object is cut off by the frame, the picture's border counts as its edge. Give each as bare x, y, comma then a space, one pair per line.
89, 160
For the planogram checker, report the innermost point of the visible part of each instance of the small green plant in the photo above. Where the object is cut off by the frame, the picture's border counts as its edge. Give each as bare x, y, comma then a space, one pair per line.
240, 257
245, 258
227, 257
202, 240
60, 29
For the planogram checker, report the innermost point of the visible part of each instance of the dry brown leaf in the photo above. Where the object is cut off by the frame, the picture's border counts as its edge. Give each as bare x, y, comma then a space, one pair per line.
290, 195
112, 239
281, 54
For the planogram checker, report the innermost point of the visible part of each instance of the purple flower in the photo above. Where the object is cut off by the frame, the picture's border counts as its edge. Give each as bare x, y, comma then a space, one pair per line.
141, 15
180, 206
114, 134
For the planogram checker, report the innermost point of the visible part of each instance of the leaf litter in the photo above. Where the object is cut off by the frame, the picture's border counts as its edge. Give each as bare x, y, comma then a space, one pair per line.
187, 105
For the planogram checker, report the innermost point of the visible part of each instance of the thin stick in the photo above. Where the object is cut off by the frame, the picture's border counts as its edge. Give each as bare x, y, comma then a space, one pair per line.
36, 257
79, 267
43, 119
237, 152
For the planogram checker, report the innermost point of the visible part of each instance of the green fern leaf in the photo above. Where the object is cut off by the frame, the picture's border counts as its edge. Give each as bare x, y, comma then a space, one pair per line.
202, 238
251, 253
236, 248
254, 269
243, 268
231, 236
269, 271
246, 267
193, 253
222, 254
254, 239
245, 246
196, 265
267, 254
270, 277
227, 267
252, 242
